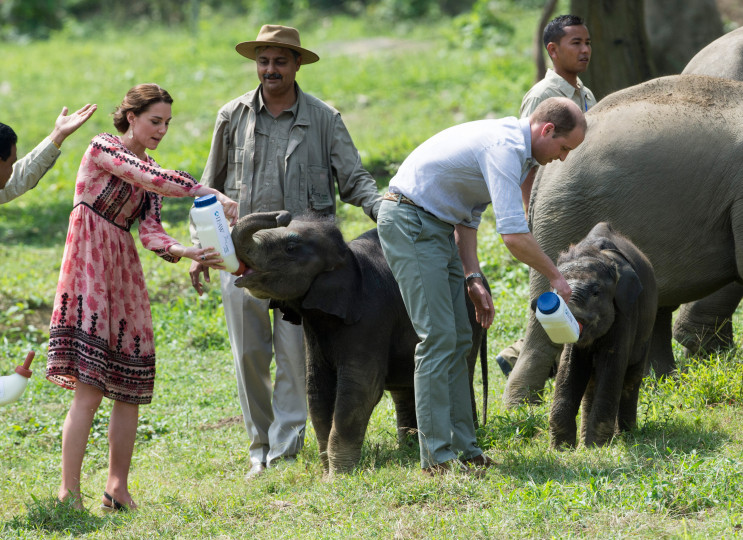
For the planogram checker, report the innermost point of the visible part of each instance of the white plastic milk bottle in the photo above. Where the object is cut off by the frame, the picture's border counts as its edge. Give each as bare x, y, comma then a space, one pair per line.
12, 386
556, 318
213, 229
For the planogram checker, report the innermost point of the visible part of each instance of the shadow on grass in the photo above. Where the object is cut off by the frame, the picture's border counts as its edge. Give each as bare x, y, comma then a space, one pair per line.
49, 515
653, 445
383, 450
660, 439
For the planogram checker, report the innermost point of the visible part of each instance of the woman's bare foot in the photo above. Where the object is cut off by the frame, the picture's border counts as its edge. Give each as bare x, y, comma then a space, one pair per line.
69, 497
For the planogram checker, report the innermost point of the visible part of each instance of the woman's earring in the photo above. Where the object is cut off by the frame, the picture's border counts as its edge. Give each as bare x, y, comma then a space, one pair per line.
131, 133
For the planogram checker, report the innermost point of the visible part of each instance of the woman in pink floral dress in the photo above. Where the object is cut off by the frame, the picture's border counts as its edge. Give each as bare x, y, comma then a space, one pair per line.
101, 337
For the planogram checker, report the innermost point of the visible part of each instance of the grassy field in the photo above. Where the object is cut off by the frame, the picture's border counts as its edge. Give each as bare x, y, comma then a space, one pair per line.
679, 475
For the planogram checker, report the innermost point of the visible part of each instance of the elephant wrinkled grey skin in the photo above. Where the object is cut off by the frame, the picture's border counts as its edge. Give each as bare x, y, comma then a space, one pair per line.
721, 58
661, 163
615, 299
359, 339
705, 326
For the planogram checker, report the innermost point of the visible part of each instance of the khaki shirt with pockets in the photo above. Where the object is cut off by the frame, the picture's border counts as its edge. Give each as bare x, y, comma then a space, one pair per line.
320, 155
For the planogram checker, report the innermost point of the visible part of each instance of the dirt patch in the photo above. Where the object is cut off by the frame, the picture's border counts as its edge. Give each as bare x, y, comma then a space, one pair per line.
367, 46
223, 423
693, 91
37, 317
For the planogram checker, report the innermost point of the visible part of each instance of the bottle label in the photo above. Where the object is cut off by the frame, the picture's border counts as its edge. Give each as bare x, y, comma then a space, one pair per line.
224, 231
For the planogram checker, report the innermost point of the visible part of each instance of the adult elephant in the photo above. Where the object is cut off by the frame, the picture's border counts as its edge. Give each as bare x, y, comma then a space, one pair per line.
721, 58
706, 325
661, 163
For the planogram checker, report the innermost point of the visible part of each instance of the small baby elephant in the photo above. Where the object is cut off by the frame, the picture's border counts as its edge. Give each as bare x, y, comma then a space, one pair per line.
615, 298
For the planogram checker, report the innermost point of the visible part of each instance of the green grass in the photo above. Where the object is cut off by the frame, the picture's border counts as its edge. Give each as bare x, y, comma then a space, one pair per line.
679, 475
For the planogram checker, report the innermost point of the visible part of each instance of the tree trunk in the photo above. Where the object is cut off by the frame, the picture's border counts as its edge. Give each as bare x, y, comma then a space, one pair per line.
621, 52
539, 51
679, 29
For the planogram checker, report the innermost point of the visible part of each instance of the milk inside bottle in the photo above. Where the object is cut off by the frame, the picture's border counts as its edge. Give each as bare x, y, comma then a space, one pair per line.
556, 319
213, 229
12, 386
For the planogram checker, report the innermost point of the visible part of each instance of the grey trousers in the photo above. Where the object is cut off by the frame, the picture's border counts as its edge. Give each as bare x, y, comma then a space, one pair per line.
274, 417
424, 259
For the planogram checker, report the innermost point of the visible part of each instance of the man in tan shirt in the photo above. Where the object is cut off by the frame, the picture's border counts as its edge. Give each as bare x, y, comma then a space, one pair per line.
277, 148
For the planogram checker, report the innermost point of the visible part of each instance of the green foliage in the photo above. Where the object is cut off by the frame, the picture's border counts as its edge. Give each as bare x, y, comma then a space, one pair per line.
486, 25
33, 18
48, 515
679, 475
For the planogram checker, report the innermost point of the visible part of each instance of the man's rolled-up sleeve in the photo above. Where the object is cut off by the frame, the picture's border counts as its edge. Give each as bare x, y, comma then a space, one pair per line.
28, 171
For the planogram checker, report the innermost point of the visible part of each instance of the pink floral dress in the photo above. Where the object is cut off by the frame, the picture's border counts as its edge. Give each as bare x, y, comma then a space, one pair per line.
101, 329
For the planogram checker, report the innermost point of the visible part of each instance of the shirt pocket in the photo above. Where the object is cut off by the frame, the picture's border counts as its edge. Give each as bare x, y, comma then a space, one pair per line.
234, 171
319, 188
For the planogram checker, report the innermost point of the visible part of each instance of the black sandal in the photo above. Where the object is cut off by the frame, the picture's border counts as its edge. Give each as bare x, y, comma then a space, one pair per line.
115, 505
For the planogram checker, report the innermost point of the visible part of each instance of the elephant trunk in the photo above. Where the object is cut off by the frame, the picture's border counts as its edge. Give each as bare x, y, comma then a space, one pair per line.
247, 226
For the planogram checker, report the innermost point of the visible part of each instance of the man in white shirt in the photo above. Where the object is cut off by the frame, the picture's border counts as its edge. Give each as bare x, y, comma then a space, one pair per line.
427, 226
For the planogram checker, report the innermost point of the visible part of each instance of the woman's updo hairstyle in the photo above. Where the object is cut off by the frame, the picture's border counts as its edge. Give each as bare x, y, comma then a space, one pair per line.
138, 100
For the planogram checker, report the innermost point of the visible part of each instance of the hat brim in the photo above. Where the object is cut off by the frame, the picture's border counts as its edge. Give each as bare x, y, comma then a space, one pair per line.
247, 49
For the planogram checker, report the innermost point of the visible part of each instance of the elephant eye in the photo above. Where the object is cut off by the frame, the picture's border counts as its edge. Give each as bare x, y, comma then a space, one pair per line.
291, 246
595, 290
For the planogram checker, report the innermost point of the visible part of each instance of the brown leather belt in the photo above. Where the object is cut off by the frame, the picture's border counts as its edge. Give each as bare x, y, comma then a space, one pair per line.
398, 197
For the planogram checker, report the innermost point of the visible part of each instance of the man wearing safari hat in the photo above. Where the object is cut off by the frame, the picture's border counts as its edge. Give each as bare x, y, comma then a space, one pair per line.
277, 148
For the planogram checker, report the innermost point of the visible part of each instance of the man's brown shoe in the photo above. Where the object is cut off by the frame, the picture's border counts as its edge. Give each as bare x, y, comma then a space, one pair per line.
453, 466
438, 469
478, 462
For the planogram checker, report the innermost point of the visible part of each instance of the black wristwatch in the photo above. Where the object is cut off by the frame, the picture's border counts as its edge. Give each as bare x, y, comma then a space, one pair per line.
473, 275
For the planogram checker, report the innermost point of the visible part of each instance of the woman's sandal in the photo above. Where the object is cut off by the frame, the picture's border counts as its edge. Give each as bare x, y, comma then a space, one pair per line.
115, 505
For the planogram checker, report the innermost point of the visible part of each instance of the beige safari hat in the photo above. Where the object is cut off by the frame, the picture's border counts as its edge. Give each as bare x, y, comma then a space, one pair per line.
274, 35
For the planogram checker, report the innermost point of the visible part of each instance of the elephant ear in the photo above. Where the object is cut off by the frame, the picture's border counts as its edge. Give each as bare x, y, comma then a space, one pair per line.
338, 292
629, 285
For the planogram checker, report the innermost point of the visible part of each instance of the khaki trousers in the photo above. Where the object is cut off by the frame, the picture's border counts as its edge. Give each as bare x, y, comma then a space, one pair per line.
274, 417
424, 259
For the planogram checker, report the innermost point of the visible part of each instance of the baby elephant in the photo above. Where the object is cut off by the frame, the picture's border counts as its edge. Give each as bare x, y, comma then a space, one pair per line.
615, 298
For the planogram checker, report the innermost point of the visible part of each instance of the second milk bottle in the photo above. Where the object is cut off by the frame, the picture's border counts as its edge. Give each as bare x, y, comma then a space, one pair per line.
556, 319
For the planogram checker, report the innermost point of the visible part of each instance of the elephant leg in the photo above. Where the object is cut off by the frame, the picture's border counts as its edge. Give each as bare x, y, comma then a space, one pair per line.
357, 394
587, 406
609, 369
661, 352
627, 414
526, 382
321, 397
407, 424
706, 326
572, 379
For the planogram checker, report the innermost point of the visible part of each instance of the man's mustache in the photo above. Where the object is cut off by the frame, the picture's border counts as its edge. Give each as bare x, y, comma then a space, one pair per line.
272, 76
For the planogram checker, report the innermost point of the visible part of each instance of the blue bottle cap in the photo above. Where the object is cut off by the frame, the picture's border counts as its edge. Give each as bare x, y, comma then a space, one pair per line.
548, 303
206, 200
